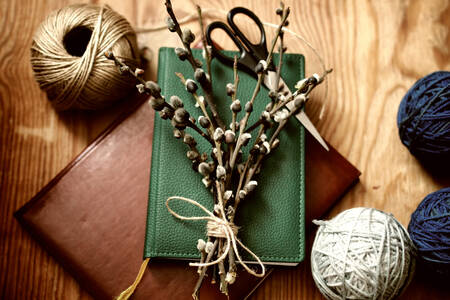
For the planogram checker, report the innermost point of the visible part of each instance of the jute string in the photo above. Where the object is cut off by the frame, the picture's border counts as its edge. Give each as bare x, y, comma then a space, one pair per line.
216, 227
222, 228
89, 81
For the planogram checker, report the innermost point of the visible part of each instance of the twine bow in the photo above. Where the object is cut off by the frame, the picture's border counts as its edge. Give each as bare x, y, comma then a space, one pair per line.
221, 227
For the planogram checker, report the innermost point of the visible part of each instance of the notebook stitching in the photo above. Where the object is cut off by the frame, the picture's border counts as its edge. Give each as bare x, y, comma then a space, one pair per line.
301, 250
196, 255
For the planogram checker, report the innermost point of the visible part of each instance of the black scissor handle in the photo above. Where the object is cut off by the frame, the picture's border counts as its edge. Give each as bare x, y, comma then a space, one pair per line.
245, 62
257, 50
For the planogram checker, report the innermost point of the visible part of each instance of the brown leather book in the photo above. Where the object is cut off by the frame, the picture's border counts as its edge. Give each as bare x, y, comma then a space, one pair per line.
91, 217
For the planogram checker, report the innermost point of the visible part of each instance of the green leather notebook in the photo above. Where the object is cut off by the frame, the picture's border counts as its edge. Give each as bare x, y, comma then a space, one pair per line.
271, 220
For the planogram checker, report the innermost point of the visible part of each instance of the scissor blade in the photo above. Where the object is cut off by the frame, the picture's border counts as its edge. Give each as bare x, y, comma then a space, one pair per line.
303, 118
269, 81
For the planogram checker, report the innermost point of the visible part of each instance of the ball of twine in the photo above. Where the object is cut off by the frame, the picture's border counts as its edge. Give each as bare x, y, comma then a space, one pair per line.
424, 117
362, 253
67, 56
429, 229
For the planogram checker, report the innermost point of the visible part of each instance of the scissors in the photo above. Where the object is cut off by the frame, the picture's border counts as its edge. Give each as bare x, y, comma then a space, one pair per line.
250, 55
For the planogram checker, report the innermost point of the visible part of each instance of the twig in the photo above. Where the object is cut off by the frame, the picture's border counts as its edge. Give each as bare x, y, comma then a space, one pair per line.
147, 90
280, 60
199, 131
277, 34
203, 271
199, 103
275, 109
236, 77
223, 283
177, 29
244, 121
241, 181
310, 84
204, 42
206, 85
234, 114
233, 97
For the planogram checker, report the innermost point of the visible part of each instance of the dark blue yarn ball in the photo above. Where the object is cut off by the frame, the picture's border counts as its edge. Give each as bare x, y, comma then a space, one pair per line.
429, 230
424, 117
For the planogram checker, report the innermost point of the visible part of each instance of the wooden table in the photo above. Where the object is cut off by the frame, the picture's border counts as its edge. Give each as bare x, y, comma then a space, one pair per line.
377, 49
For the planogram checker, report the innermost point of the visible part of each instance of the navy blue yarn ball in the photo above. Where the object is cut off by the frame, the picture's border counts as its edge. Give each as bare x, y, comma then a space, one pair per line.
423, 117
429, 230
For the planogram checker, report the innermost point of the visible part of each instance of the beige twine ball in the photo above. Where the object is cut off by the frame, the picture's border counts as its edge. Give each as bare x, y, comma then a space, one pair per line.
67, 56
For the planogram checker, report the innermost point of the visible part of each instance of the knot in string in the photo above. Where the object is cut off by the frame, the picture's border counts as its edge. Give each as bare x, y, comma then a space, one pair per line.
219, 227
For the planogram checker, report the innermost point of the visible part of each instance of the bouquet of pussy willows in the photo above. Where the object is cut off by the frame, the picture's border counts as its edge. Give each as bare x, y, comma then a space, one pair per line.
228, 173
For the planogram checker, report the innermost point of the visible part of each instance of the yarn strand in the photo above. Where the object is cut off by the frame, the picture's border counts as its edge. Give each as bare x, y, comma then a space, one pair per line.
89, 81
430, 231
424, 118
362, 253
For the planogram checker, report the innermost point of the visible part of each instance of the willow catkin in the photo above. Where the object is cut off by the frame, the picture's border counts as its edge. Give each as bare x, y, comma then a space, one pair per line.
67, 56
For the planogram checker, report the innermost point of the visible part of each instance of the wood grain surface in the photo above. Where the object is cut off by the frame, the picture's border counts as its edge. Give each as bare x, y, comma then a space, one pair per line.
377, 49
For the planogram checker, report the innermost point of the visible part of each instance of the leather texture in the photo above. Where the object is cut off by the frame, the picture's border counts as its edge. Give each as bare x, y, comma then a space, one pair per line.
271, 219
91, 217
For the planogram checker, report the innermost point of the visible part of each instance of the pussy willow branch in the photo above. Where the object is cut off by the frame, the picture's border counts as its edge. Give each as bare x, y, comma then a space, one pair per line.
277, 107
236, 77
313, 82
274, 93
203, 270
219, 246
281, 104
233, 118
280, 60
199, 131
218, 180
223, 283
281, 125
277, 34
210, 129
233, 96
177, 28
243, 175
199, 103
204, 42
206, 85
244, 121
128, 70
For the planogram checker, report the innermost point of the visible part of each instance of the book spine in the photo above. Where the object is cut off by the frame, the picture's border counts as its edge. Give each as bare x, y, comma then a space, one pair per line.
150, 231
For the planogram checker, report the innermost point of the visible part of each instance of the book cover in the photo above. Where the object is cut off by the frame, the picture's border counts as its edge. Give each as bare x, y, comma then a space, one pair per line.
91, 218
272, 219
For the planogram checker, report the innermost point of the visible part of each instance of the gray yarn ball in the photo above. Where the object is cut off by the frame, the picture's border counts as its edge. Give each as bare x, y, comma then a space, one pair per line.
362, 253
